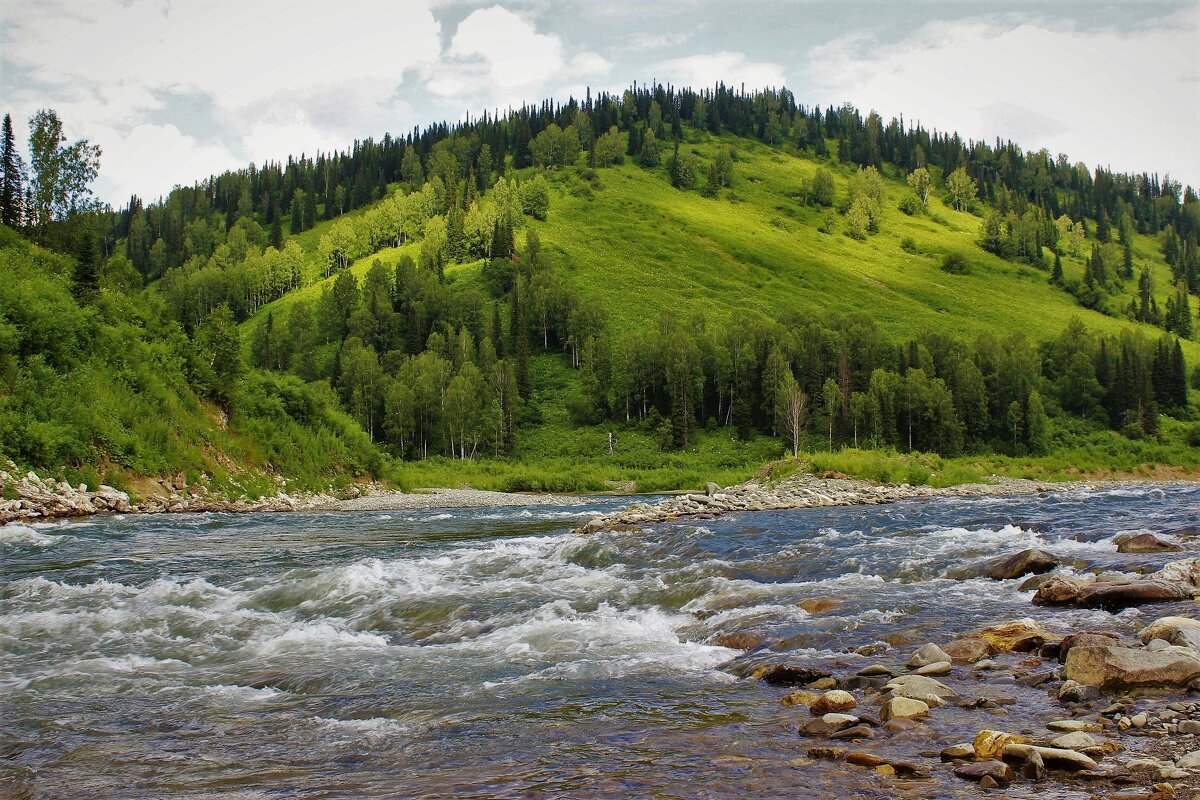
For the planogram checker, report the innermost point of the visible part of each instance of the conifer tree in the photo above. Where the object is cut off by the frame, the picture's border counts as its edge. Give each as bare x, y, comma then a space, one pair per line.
11, 194
1056, 276
87, 264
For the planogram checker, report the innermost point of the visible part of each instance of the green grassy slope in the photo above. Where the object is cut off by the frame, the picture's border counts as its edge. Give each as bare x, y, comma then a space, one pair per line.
637, 245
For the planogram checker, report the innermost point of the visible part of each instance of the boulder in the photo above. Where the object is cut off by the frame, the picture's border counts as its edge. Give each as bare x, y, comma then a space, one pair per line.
819, 605
1189, 761
968, 650
928, 654
1026, 562
903, 708
1075, 741
1086, 639
920, 687
958, 752
1016, 636
996, 770
711, 488
830, 702
865, 759
739, 640
1054, 757
1182, 631
1114, 668
800, 697
1033, 768
1144, 543
788, 674
936, 668
990, 744
1110, 594
1074, 692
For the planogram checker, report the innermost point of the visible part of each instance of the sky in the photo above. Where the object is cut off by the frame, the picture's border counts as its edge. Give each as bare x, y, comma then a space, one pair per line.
176, 90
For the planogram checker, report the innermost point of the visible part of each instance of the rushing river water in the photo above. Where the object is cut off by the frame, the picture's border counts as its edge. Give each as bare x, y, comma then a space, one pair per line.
493, 653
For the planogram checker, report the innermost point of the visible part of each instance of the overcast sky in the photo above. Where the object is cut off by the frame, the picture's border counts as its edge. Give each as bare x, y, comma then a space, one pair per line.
174, 90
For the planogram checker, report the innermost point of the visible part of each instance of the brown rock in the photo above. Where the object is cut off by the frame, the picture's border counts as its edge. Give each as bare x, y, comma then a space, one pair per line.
865, 759
1019, 636
997, 770
788, 674
831, 702
738, 640
1086, 639
968, 650
1144, 543
1026, 562
903, 708
1114, 594
1113, 668
800, 697
990, 744
827, 753
819, 605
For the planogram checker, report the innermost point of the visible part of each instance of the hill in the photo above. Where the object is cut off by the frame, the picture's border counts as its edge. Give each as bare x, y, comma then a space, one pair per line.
491, 302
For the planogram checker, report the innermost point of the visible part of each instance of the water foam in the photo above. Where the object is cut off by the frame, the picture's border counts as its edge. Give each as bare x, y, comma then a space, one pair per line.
15, 533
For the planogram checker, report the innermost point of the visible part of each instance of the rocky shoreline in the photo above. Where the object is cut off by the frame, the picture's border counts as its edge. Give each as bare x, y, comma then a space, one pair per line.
810, 491
31, 498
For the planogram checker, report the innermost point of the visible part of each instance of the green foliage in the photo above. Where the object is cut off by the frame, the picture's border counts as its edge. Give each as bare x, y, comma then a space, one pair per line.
955, 264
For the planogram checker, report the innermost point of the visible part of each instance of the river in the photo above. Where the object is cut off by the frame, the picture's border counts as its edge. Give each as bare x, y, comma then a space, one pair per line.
494, 653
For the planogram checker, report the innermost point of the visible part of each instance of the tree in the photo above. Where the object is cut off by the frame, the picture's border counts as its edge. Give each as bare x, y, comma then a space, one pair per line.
823, 188
920, 182
961, 189
682, 168
860, 406
858, 219
87, 264
12, 195
793, 411
535, 198
61, 174
220, 346
610, 148
831, 393
649, 156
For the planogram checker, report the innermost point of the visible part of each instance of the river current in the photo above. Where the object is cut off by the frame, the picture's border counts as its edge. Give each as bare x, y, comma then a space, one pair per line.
493, 652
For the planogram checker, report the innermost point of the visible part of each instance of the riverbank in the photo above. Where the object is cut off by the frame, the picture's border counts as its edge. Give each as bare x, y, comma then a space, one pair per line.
801, 490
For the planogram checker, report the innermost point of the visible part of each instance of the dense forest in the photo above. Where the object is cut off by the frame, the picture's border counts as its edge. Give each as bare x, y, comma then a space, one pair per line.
181, 293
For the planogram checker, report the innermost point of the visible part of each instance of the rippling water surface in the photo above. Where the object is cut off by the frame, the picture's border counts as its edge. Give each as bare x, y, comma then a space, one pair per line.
493, 653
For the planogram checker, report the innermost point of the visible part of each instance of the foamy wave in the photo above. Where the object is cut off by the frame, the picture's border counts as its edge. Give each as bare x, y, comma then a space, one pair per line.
16, 533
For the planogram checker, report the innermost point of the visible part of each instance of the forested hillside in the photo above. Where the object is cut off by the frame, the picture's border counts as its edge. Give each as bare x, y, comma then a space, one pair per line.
661, 287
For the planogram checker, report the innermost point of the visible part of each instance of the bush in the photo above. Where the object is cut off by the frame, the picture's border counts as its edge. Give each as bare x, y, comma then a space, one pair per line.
909, 246
955, 264
910, 205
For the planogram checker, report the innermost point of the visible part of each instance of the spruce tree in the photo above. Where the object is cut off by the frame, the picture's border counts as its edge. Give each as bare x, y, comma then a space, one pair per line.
87, 265
11, 194
1056, 277
277, 232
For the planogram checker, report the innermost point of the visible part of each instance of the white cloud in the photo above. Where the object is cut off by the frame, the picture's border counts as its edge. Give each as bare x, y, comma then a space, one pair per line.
498, 59
271, 68
153, 159
704, 71
1125, 99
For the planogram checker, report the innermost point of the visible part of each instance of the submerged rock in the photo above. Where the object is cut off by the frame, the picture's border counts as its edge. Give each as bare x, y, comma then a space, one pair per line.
1113, 668
1144, 543
1054, 757
1026, 562
788, 674
996, 770
800, 697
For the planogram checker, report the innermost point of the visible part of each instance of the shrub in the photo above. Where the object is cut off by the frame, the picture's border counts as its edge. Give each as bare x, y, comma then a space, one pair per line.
955, 264
910, 205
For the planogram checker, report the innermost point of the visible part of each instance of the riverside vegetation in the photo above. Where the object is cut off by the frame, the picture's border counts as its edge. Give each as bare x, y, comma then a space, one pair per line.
646, 291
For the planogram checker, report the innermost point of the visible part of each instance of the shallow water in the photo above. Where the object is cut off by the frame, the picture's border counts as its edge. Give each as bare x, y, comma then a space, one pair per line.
493, 653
